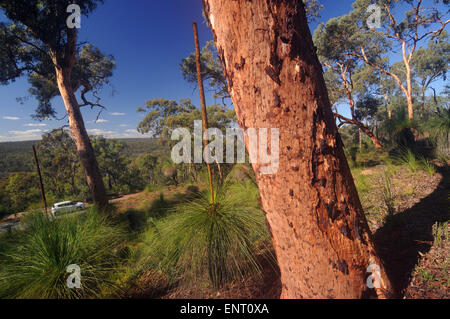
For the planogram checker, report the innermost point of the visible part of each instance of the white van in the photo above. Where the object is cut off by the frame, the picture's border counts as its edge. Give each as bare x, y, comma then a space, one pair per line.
66, 207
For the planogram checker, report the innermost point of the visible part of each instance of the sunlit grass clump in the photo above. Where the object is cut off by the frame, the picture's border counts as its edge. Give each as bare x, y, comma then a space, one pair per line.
224, 238
408, 158
428, 167
414, 163
34, 264
361, 182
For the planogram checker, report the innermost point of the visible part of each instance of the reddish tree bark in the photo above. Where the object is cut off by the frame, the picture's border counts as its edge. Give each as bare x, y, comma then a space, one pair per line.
320, 234
64, 62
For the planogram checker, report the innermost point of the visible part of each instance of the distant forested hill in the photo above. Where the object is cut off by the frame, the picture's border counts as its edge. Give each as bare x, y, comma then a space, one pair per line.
18, 156
140, 146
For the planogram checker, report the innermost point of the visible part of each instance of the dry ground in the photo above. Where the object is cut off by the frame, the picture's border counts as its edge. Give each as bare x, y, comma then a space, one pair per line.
416, 259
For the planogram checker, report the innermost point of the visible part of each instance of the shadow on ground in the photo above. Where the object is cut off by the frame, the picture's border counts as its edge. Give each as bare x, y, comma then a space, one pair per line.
137, 219
409, 232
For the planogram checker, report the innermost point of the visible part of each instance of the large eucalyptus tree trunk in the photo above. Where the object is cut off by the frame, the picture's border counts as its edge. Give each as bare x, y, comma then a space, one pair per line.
81, 139
64, 61
320, 234
80, 136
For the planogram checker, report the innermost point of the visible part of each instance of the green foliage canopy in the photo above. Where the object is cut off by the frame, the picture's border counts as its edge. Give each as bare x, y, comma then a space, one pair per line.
36, 40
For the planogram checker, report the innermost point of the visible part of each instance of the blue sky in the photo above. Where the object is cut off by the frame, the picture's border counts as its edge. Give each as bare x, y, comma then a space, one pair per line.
148, 40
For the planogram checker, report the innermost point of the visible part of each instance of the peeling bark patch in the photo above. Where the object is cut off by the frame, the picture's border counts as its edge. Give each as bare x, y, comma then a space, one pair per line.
356, 230
357, 233
230, 81
273, 74
343, 267
277, 100
285, 39
273, 70
347, 211
345, 230
240, 66
332, 211
321, 214
325, 148
302, 75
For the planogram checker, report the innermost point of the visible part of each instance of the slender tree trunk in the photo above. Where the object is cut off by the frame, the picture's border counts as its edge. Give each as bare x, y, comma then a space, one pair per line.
320, 234
41, 184
406, 90
388, 106
422, 106
81, 138
202, 102
409, 99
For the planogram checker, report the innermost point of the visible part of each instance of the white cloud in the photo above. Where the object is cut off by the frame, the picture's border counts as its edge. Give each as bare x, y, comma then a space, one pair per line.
27, 135
26, 132
117, 114
101, 121
123, 125
11, 118
130, 133
97, 131
35, 125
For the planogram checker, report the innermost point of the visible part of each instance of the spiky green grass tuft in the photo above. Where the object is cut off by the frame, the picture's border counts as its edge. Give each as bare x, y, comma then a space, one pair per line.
408, 158
428, 167
222, 238
35, 264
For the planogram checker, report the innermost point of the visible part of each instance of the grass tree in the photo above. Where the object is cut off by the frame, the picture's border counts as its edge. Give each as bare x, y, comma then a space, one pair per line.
220, 240
34, 264
38, 43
